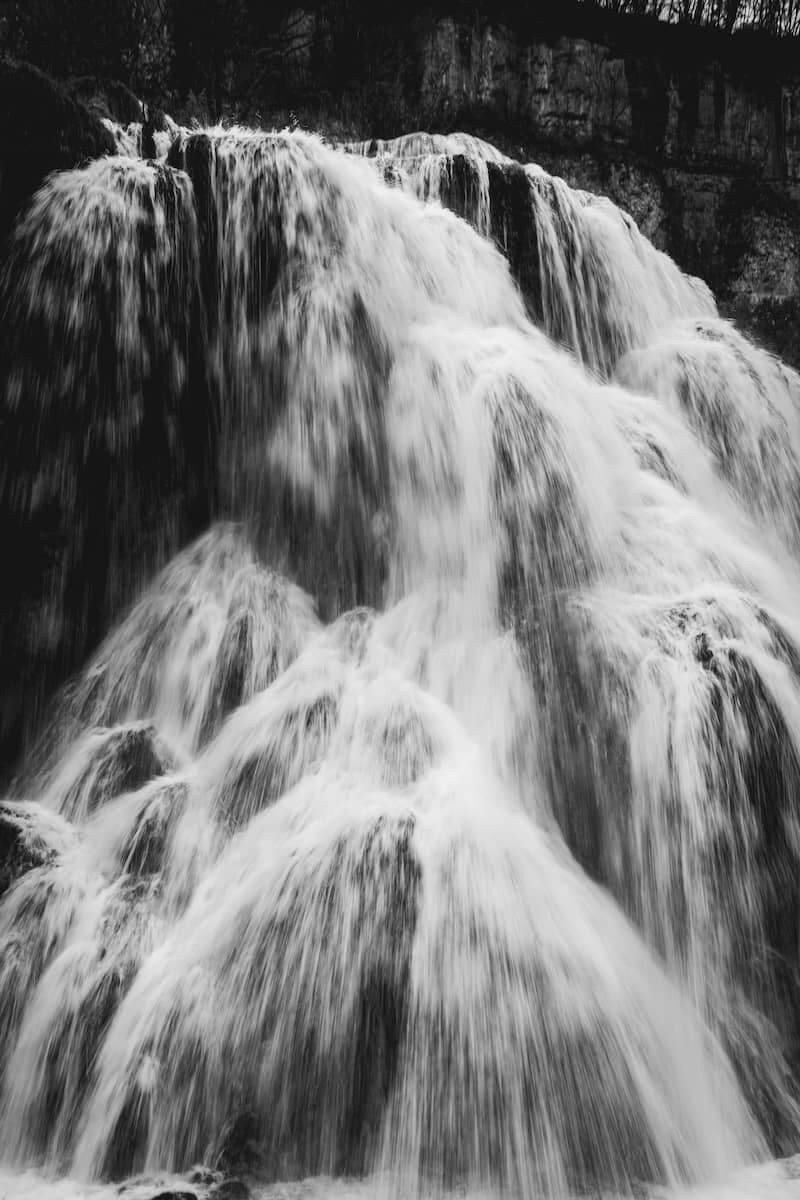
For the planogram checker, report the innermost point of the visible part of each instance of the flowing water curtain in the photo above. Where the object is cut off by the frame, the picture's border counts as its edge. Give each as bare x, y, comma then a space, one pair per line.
598, 706
215, 628
714, 752
355, 946
743, 403
744, 406
669, 690
589, 278
106, 422
274, 860
307, 320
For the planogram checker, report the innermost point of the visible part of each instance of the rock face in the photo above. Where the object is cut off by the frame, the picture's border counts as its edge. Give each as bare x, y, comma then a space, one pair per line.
42, 129
578, 92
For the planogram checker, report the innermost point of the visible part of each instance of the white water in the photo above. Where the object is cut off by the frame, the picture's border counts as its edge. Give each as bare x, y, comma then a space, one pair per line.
98, 292
593, 281
741, 402
437, 809
129, 139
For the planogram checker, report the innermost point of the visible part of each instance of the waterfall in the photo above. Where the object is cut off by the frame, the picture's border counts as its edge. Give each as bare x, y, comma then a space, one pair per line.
127, 138
411, 684
106, 417
589, 278
142, 139
742, 403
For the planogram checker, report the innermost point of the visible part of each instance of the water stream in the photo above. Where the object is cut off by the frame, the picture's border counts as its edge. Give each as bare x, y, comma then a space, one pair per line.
423, 791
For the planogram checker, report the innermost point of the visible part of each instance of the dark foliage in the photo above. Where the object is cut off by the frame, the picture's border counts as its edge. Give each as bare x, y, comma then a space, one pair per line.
118, 39
42, 129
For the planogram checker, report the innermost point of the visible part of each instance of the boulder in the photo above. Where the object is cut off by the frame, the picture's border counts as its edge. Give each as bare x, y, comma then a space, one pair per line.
155, 122
239, 1146
230, 1189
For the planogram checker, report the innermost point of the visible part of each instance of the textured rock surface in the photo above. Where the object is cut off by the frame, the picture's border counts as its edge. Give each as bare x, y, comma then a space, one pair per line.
694, 111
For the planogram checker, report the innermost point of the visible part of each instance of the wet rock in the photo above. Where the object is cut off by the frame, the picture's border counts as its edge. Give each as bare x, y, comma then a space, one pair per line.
265, 627
204, 1176
792, 1167
143, 852
99, 479
772, 322
22, 845
289, 746
124, 760
155, 122
239, 1147
514, 230
702, 650
233, 666
42, 129
330, 550
230, 1189
353, 631
405, 744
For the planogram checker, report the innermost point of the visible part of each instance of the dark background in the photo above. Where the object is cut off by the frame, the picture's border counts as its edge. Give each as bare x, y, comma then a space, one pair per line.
209, 58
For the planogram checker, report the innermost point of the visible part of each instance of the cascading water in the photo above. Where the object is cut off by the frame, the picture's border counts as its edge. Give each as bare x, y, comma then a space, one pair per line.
434, 815
105, 415
127, 138
141, 140
589, 278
